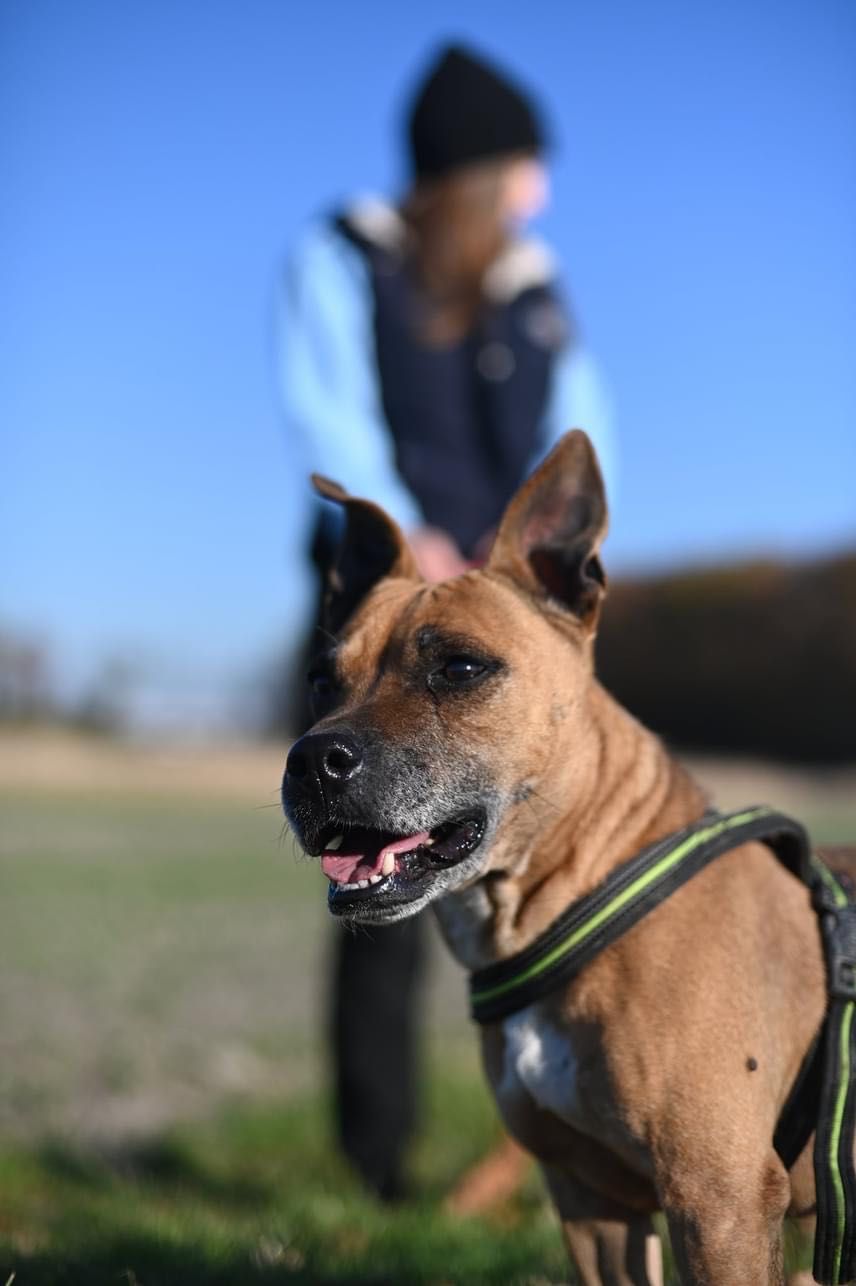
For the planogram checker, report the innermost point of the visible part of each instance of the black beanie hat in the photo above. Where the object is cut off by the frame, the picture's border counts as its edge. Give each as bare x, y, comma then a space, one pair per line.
465, 110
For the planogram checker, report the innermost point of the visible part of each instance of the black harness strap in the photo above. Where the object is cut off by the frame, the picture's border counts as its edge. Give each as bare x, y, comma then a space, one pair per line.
799, 1115
632, 891
823, 1097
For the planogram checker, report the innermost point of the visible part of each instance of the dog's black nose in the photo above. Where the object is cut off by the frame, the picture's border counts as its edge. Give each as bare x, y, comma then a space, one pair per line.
333, 757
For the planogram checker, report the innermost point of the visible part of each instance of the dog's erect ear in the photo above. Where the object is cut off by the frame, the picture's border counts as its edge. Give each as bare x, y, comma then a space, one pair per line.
551, 531
372, 547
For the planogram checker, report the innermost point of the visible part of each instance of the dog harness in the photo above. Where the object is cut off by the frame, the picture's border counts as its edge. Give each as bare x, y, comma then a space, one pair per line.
823, 1098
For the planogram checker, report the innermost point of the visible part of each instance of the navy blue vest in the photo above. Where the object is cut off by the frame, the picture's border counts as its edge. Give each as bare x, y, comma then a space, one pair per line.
464, 417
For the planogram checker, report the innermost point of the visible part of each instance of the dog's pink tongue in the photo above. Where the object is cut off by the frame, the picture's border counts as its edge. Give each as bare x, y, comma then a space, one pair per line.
342, 870
351, 867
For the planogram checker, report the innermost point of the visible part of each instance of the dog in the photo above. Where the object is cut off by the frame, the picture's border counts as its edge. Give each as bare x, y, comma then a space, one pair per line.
465, 755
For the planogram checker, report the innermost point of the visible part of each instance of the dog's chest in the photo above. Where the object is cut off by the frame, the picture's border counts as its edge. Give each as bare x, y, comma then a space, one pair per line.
541, 1060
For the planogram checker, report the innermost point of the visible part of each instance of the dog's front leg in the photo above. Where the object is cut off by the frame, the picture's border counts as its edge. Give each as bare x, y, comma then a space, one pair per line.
726, 1230
608, 1245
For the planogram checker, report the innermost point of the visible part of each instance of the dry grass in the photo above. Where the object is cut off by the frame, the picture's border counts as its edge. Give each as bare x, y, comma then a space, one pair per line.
59, 761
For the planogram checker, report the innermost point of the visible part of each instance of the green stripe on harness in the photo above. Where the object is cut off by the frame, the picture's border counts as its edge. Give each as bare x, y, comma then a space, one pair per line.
835, 1172
597, 919
835, 1137
635, 889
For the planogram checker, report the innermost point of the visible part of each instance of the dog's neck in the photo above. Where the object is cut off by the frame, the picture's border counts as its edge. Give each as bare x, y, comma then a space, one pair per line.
615, 791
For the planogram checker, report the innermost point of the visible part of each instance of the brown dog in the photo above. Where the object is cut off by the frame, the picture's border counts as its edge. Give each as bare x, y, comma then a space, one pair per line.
466, 755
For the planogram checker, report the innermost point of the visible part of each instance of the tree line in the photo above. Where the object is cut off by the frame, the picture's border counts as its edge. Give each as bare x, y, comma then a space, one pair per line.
757, 658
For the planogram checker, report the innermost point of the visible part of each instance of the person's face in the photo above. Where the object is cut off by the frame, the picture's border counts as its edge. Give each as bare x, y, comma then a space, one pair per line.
525, 189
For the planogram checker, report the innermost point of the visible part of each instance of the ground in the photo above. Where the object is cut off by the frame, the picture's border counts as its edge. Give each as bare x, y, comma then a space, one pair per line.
162, 1087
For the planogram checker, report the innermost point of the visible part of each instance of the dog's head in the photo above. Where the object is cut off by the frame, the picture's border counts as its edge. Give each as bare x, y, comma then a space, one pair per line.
444, 710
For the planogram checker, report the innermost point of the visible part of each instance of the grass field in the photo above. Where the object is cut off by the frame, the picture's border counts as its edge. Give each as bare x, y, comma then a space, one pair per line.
162, 1089
258, 1195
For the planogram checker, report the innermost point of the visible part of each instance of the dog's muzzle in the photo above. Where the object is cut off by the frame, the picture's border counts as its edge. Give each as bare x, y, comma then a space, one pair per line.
338, 799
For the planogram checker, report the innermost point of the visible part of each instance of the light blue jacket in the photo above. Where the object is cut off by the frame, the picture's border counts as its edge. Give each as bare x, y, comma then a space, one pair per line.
328, 375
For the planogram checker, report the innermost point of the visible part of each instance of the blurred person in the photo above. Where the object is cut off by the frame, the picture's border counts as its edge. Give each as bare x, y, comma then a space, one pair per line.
427, 361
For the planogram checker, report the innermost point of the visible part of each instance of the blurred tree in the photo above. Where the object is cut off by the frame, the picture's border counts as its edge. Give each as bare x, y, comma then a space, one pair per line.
106, 704
758, 658
26, 681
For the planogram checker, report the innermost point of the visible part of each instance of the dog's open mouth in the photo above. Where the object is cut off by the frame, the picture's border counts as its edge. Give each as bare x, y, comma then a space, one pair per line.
364, 864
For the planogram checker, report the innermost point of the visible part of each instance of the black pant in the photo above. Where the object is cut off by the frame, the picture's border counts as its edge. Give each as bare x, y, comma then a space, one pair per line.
375, 1014
374, 1004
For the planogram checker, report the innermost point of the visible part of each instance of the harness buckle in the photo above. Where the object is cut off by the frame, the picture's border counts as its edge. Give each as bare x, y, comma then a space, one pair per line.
838, 925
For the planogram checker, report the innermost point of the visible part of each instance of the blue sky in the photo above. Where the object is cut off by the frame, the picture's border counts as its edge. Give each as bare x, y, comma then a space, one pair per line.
156, 160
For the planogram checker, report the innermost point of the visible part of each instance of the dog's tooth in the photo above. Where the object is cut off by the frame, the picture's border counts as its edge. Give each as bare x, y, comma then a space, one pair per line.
362, 884
335, 843
426, 843
388, 863
375, 879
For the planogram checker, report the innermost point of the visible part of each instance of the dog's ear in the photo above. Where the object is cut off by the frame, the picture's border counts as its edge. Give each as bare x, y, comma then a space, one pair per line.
551, 531
372, 547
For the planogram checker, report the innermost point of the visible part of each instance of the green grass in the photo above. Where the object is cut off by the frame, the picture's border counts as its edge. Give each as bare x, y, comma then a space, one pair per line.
158, 954
260, 1196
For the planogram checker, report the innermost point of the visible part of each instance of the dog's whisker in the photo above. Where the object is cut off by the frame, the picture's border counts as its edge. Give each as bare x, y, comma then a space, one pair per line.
288, 841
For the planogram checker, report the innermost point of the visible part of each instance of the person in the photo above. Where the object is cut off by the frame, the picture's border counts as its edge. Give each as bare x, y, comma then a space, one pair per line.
427, 361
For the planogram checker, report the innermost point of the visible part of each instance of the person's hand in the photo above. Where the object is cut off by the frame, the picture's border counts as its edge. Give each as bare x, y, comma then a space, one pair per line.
437, 555
481, 553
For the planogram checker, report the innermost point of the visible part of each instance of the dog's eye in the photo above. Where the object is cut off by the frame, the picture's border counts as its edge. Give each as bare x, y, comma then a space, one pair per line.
460, 672
462, 669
